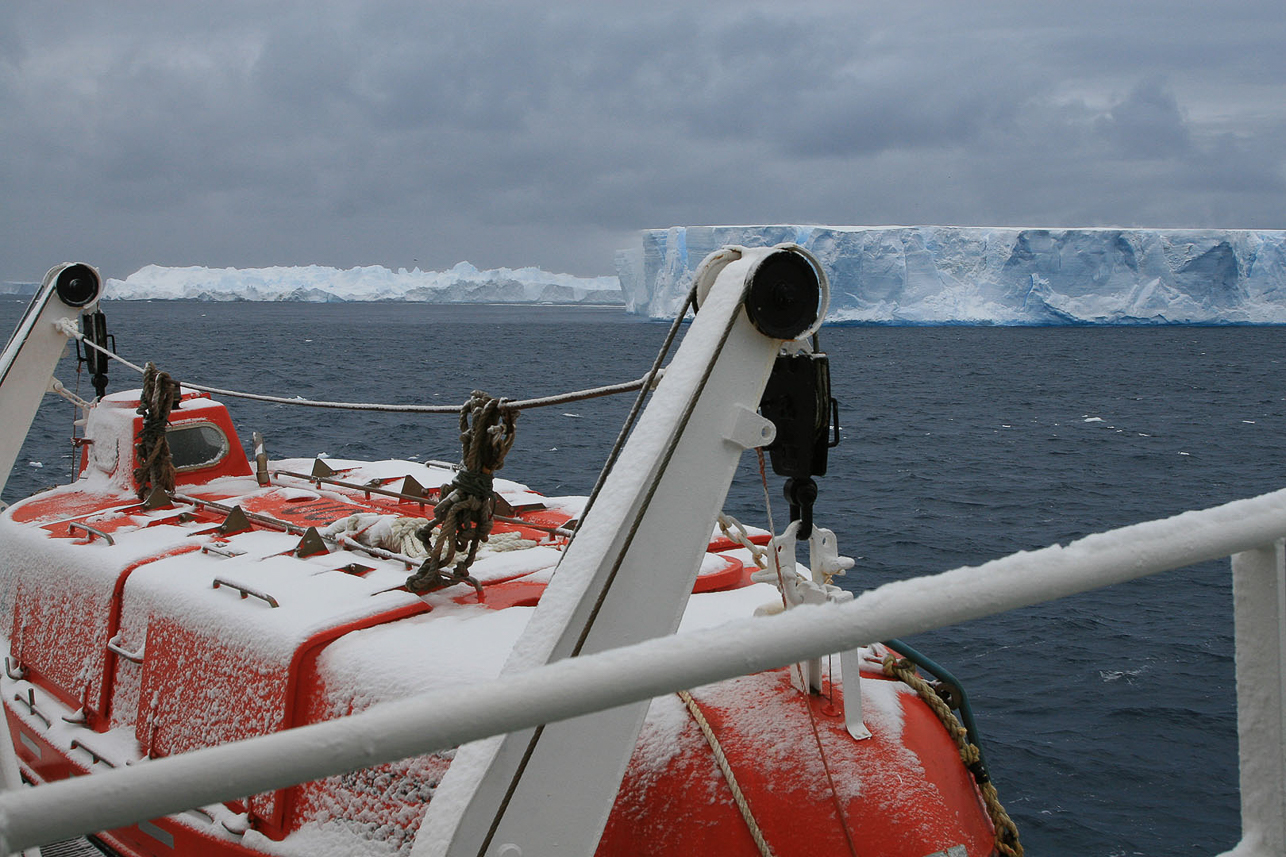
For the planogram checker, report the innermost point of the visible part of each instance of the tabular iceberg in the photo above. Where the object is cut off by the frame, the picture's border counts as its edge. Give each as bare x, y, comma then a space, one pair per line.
996, 275
315, 283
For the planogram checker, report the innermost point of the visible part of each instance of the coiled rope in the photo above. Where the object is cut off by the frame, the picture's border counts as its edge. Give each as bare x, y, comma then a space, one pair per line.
464, 515
155, 471
1006, 831
399, 534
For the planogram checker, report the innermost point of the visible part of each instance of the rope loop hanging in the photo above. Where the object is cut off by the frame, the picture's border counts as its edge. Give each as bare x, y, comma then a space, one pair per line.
464, 515
155, 471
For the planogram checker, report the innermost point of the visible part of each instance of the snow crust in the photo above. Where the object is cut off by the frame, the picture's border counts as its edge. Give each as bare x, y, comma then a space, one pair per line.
317, 284
995, 275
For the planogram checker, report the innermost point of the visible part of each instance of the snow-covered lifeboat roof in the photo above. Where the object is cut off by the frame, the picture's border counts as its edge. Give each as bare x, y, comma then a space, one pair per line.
202, 439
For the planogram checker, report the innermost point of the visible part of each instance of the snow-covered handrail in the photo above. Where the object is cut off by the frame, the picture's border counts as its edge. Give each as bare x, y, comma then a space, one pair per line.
1250, 530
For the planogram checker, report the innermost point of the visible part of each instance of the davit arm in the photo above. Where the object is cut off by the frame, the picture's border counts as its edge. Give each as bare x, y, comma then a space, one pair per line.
627, 574
28, 361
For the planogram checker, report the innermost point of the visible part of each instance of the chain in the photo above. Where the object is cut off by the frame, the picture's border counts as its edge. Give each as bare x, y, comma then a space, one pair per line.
736, 531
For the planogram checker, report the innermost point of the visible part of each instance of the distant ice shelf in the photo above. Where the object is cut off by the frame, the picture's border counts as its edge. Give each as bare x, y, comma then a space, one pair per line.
317, 284
1000, 276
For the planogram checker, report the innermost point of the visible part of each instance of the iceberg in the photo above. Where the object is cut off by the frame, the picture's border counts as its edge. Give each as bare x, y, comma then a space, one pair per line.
995, 275
463, 283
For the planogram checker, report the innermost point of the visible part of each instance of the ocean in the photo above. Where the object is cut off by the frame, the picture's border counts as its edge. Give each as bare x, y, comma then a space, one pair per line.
1108, 719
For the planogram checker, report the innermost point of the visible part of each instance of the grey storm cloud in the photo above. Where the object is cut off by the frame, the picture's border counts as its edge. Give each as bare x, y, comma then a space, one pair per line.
1147, 123
347, 133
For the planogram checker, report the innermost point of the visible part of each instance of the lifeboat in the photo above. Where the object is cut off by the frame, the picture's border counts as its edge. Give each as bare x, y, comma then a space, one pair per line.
251, 598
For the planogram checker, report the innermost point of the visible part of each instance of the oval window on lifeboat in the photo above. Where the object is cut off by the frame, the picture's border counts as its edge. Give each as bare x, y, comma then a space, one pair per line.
196, 445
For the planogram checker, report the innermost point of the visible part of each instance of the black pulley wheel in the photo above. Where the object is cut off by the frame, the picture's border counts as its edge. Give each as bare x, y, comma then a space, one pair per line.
783, 295
77, 285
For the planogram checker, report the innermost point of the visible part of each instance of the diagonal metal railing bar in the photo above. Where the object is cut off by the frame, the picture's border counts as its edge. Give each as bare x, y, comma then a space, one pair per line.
577, 686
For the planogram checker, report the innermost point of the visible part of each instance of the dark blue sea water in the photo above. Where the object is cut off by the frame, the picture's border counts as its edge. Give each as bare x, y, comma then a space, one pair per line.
1108, 718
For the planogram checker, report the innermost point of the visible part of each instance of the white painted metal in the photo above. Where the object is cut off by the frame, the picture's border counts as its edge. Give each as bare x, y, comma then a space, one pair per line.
575, 686
850, 668
625, 578
10, 778
26, 370
749, 430
1259, 598
824, 562
27, 365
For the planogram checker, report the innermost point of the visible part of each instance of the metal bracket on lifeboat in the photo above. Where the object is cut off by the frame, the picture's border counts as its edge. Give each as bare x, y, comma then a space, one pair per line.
627, 574
824, 563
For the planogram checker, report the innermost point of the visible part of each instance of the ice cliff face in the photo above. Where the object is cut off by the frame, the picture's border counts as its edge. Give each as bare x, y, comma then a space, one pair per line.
462, 284
982, 275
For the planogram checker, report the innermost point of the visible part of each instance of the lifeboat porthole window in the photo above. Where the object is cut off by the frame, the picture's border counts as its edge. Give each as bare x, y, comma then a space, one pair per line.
104, 455
196, 445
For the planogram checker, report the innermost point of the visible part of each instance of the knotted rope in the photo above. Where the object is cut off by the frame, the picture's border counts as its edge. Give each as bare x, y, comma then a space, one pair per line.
156, 468
465, 513
1006, 831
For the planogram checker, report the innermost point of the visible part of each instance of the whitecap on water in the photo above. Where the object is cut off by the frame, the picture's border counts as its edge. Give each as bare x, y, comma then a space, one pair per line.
1117, 675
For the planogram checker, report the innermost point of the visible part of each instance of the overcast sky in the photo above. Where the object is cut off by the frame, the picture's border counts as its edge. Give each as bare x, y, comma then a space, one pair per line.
548, 133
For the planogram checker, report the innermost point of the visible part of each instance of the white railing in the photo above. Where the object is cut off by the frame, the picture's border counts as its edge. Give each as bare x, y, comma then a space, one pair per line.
1251, 531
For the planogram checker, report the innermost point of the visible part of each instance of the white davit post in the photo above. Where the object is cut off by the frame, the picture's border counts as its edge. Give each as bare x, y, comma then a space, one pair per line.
28, 361
627, 574
26, 369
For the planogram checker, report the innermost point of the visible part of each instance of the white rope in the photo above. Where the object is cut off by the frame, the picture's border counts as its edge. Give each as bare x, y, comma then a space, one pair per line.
387, 532
403, 531
510, 541
69, 330
739, 797
398, 534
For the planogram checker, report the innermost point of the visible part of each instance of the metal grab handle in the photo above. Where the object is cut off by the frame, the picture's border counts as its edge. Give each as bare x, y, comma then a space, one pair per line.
246, 591
77, 744
114, 646
89, 531
228, 552
30, 701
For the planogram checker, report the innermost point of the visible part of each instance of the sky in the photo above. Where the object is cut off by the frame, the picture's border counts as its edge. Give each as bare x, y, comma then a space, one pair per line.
405, 134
